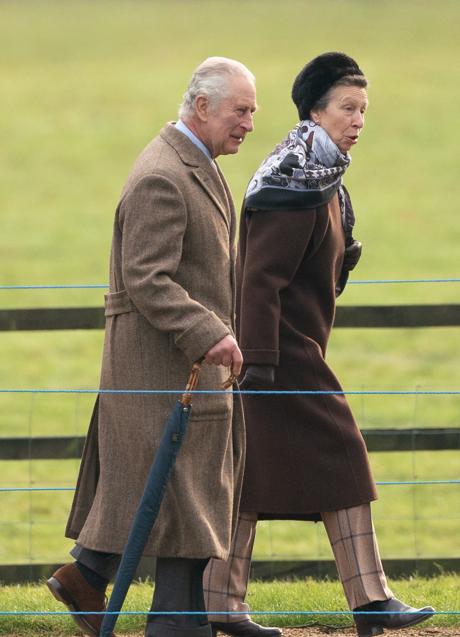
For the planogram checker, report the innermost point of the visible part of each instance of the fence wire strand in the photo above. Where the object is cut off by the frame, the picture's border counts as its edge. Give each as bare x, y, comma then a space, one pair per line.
247, 392
385, 483
211, 612
90, 286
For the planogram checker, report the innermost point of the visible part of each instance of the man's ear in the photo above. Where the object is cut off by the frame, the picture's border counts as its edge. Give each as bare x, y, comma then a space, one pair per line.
202, 107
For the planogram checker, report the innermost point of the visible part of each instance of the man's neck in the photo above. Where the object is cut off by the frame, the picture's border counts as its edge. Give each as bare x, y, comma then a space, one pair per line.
195, 129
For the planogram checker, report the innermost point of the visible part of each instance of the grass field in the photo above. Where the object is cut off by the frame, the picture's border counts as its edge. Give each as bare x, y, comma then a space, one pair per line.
84, 87
307, 596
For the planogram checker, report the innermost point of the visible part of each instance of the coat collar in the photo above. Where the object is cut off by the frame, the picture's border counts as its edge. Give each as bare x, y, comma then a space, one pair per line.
210, 179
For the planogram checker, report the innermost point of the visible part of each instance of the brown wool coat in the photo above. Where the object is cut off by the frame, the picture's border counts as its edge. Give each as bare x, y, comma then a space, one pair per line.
171, 299
305, 454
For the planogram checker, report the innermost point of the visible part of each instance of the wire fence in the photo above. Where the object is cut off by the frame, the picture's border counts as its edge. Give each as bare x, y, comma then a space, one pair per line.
418, 526
418, 519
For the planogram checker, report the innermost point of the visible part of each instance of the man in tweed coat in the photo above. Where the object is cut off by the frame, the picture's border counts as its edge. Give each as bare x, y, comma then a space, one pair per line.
171, 302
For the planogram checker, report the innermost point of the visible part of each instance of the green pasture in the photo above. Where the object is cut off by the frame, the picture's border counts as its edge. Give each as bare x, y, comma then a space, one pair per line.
271, 597
85, 85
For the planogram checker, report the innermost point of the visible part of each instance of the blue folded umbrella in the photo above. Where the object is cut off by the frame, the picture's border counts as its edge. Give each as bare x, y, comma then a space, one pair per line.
147, 511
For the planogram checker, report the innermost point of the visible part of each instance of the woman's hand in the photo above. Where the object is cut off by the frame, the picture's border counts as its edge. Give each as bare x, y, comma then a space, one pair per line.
352, 255
258, 377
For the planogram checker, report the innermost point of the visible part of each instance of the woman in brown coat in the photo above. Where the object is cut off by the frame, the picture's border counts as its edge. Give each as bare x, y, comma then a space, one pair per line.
306, 458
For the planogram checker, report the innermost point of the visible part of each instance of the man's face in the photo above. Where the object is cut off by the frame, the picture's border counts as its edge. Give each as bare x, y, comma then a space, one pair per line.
228, 123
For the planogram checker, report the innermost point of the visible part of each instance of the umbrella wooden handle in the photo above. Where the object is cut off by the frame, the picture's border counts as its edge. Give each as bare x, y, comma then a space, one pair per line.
231, 380
191, 384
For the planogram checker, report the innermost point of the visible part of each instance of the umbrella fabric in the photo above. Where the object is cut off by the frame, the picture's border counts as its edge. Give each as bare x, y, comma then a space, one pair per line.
150, 503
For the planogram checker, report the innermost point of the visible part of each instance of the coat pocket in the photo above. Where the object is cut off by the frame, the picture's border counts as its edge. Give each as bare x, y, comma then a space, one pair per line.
218, 404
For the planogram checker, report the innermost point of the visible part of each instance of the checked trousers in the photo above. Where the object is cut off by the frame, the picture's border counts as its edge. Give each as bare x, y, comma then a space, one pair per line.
353, 542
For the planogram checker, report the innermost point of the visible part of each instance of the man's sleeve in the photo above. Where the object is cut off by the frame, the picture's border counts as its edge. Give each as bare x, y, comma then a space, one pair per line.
275, 245
154, 219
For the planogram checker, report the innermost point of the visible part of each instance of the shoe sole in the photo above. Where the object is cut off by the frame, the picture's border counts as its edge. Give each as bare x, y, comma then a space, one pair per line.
59, 593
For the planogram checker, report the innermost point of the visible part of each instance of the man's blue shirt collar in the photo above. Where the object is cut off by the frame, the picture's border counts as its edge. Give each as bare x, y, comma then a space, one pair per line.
193, 138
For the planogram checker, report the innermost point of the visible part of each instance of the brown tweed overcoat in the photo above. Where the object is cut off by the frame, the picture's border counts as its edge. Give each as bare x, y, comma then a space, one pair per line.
171, 299
305, 453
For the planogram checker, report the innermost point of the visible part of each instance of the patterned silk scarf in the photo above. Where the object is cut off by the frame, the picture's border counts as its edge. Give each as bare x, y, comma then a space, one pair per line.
304, 171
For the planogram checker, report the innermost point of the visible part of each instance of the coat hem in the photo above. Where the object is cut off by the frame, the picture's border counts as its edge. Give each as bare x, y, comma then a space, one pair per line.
312, 514
193, 555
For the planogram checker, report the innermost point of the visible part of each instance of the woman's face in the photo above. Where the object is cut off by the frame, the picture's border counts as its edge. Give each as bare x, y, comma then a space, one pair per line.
343, 117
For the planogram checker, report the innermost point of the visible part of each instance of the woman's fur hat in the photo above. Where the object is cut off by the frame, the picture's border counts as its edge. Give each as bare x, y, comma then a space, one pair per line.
317, 77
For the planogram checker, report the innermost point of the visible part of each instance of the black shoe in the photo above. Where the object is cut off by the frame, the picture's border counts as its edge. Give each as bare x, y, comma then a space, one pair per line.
399, 616
244, 628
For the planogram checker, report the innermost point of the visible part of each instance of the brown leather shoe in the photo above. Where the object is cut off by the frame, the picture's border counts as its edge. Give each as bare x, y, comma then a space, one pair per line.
69, 586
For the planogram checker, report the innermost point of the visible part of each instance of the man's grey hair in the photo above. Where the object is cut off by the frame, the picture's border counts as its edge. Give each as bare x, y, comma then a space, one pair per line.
211, 79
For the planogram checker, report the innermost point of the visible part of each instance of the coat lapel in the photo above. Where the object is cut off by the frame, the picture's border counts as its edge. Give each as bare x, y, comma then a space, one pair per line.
208, 183
229, 201
210, 179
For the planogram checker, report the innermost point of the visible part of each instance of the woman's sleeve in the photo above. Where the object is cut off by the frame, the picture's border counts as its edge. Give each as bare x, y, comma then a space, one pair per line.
276, 243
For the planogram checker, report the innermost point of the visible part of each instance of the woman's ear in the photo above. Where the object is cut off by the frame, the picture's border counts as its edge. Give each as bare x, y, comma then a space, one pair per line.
315, 117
